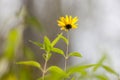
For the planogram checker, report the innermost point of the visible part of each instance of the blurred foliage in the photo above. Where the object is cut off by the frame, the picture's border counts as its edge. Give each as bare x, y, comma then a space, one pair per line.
79, 72
33, 21
14, 49
11, 43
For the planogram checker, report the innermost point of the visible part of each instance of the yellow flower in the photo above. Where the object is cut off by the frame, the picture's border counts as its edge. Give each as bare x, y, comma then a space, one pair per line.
66, 23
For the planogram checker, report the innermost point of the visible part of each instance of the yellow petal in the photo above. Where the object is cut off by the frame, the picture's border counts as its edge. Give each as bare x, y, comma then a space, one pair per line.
62, 19
74, 20
67, 19
62, 28
74, 26
70, 19
61, 23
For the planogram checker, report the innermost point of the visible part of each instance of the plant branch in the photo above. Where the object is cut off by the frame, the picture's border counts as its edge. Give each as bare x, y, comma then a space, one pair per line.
66, 55
44, 69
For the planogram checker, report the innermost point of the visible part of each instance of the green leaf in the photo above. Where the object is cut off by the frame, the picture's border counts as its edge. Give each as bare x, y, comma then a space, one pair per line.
56, 40
57, 50
30, 63
65, 39
36, 43
47, 44
33, 21
56, 71
75, 69
108, 69
102, 77
12, 43
99, 64
28, 53
77, 54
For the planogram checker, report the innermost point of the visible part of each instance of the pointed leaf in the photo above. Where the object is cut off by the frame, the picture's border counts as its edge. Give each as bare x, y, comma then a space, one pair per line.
75, 69
110, 70
77, 54
56, 40
56, 71
36, 43
99, 64
102, 77
33, 21
30, 63
12, 42
47, 44
28, 53
57, 50
65, 39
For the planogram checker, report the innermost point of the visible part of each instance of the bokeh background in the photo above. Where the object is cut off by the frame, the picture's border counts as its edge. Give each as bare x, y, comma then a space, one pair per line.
98, 33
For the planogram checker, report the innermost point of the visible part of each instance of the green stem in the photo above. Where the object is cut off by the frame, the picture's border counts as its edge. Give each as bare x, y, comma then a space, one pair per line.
65, 67
66, 55
44, 69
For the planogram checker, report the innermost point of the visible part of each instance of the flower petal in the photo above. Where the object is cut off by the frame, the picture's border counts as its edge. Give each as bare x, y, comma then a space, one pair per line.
74, 20
61, 23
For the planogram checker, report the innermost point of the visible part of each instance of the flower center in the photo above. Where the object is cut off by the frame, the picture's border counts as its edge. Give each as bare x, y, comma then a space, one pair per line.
68, 26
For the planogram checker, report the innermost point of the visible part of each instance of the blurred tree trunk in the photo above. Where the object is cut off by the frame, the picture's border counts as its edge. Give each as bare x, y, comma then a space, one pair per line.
10, 17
